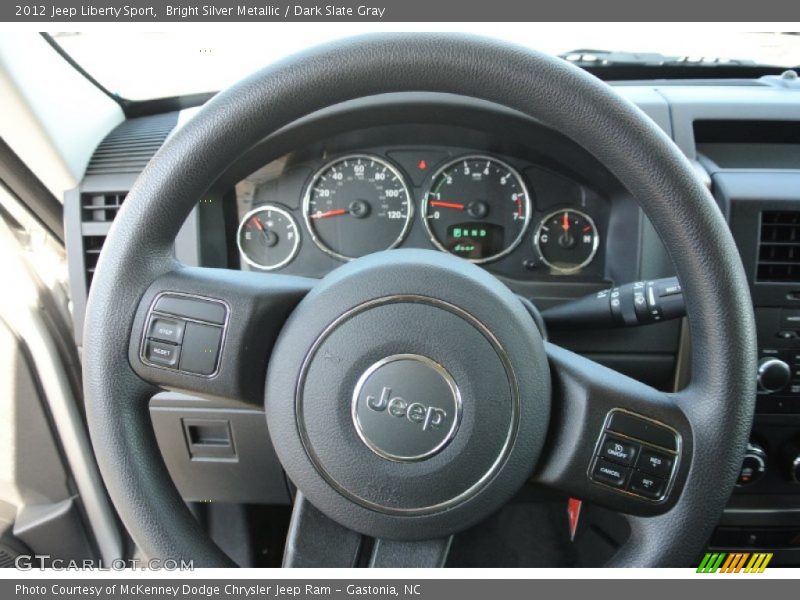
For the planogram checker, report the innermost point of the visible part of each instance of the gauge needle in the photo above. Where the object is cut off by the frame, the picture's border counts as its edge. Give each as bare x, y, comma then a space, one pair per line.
441, 204
329, 213
260, 227
565, 222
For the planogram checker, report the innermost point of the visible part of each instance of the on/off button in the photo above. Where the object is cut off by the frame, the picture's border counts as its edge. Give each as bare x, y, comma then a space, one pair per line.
619, 451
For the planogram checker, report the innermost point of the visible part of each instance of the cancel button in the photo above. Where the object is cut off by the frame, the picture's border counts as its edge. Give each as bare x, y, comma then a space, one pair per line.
620, 451
610, 473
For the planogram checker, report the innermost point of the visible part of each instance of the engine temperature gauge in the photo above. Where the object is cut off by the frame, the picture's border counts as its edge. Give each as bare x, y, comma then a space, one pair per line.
567, 240
268, 237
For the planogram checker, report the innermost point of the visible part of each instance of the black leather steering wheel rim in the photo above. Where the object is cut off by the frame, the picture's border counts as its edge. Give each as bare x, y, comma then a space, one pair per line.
718, 403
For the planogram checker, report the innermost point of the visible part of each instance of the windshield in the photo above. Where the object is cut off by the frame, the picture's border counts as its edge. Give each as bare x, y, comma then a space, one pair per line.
140, 66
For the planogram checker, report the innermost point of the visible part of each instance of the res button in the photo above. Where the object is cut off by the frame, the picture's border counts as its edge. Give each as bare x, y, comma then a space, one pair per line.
656, 463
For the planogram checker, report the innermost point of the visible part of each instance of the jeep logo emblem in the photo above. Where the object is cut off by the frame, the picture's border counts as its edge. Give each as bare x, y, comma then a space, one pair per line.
430, 417
406, 408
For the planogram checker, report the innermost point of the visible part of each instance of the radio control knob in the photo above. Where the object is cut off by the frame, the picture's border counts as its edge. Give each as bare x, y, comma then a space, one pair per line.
773, 375
794, 469
791, 455
753, 465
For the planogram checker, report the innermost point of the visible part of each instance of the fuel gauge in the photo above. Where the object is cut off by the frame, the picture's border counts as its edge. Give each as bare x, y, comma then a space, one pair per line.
268, 237
567, 240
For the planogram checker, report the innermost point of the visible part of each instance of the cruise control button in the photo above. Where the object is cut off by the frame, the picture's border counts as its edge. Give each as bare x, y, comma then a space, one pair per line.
610, 473
162, 354
647, 485
619, 451
655, 463
166, 330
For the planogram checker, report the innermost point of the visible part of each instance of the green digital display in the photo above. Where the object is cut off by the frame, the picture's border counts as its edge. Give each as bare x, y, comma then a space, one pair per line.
475, 240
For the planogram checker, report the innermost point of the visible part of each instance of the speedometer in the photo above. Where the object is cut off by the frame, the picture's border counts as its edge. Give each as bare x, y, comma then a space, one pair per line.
477, 208
357, 205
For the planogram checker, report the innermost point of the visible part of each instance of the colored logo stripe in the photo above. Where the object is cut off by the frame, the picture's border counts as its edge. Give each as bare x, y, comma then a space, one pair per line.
734, 562
711, 562
758, 563
723, 562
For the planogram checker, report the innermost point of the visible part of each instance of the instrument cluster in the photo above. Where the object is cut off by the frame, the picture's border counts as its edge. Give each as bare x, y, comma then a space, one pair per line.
474, 205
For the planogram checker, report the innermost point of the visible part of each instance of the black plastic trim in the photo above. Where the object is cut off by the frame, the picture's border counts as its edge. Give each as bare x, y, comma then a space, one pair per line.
31, 192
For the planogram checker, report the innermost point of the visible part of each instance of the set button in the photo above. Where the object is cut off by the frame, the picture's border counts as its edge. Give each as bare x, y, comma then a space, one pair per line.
647, 485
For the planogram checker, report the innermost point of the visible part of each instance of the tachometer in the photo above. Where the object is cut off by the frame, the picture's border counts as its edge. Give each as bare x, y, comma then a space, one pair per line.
567, 240
477, 208
357, 205
268, 237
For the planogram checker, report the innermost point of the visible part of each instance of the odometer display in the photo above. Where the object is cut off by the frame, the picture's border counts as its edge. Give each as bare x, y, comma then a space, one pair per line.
477, 208
357, 205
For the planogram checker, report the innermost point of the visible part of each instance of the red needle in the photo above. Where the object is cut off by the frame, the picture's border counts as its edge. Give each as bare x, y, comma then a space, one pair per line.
441, 204
565, 223
329, 213
257, 221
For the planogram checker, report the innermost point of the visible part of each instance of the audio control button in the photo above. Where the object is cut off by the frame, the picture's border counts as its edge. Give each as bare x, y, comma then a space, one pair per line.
164, 355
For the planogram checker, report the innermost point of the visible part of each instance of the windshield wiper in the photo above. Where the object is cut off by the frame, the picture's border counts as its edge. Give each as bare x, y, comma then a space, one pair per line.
599, 58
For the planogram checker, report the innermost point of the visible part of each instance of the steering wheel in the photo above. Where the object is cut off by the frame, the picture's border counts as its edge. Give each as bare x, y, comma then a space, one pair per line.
409, 393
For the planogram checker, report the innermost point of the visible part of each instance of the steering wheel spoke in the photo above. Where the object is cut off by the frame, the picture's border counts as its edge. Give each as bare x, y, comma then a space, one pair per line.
613, 440
314, 540
192, 323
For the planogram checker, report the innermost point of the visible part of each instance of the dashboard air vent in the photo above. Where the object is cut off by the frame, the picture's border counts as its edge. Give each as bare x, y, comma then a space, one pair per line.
101, 208
779, 247
131, 145
92, 244
91, 208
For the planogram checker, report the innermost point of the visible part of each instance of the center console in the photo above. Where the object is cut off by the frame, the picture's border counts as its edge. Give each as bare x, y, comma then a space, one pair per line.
762, 204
